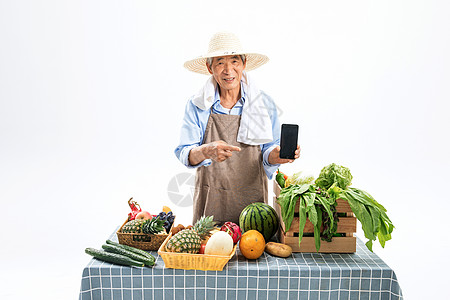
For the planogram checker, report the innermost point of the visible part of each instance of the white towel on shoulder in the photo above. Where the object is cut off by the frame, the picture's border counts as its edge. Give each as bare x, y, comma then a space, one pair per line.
204, 99
256, 126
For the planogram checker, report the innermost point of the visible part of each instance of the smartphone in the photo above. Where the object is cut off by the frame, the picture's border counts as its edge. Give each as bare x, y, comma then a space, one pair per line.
289, 140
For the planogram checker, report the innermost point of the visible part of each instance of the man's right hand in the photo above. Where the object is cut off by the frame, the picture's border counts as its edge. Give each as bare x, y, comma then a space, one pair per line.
217, 151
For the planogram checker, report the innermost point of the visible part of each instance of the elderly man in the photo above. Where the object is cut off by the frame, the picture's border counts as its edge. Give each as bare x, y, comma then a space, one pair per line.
230, 132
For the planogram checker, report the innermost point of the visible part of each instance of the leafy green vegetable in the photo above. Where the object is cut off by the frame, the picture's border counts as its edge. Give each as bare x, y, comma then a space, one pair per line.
298, 179
372, 215
301, 218
310, 207
318, 204
329, 224
334, 175
326, 206
317, 228
361, 212
314, 202
288, 199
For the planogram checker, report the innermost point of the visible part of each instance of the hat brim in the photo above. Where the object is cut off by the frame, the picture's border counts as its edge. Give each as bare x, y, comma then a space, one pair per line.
198, 65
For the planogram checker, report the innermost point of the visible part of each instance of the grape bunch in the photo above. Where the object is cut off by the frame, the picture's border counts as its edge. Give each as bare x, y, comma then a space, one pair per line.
168, 219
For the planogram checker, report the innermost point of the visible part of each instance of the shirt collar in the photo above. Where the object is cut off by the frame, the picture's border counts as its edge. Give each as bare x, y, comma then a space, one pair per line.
240, 101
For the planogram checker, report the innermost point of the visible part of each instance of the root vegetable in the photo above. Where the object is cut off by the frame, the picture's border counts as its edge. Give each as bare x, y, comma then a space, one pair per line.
278, 249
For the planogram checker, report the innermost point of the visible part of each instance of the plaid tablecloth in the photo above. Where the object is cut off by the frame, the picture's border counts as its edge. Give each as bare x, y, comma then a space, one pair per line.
361, 275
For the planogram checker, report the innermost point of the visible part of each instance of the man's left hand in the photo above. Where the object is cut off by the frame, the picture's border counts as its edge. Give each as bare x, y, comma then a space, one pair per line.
274, 156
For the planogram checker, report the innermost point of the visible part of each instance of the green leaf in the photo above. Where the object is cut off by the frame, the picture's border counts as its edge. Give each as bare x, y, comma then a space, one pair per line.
384, 232
372, 215
381, 239
375, 215
309, 200
358, 196
300, 189
361, 213
334, 191
326, 206
301, 219
369, 198
369, 245
317, 228
312, 215
385, 218
288, 200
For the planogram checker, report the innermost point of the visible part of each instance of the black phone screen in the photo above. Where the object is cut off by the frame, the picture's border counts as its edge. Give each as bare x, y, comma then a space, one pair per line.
289, 139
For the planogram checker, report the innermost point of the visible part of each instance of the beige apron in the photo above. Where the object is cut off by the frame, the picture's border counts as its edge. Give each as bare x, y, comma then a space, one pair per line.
223, 189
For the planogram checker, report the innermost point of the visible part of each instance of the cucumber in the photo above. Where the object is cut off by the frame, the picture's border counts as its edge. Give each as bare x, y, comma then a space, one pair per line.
118, 250
113, 258
132, 249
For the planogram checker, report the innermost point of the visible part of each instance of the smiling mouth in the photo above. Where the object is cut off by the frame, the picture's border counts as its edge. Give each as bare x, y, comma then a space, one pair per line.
228, 79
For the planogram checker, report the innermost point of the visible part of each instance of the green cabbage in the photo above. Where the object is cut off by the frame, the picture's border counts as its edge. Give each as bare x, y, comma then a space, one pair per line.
334, 175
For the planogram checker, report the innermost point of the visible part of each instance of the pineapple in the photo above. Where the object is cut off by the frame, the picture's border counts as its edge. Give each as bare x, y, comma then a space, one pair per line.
143, 228
189, 240
153, 226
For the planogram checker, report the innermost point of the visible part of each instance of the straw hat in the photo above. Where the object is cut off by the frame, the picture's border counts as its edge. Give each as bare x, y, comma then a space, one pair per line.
222, 44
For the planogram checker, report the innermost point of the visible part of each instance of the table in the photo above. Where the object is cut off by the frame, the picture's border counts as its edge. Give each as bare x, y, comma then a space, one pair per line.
361, 275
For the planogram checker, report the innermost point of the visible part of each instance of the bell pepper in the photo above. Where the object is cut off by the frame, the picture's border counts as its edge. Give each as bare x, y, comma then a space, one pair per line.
281, 178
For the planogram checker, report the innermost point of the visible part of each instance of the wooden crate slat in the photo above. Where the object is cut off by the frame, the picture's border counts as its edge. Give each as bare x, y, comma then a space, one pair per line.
345, 224
338, 245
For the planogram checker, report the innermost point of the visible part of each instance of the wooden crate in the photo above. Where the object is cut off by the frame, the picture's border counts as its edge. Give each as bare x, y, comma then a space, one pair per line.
346, 225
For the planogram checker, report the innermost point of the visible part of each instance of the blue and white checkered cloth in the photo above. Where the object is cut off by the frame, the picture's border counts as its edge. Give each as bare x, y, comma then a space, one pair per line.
361, 275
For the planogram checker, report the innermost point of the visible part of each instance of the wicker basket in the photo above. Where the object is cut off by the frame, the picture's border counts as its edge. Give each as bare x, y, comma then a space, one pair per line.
188, 261
148, 242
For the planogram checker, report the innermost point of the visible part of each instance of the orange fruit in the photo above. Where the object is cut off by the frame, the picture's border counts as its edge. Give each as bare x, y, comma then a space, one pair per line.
252, 244
166, 209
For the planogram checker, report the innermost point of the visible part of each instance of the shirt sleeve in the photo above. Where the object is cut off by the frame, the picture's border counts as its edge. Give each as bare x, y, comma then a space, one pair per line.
192, 132
276, 131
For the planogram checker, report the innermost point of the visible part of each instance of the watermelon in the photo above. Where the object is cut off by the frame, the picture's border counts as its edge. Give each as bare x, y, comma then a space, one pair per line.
261, 217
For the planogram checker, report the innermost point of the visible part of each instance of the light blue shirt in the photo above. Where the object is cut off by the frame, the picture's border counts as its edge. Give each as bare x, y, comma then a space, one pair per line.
194, 125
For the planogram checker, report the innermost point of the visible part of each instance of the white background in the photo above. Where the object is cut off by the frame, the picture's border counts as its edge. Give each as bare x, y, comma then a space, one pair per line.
92, 94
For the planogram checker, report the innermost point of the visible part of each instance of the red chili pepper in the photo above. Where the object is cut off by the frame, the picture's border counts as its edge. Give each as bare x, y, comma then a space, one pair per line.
135, 209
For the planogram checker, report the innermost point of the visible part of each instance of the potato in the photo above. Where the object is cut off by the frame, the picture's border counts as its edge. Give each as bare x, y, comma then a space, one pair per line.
278, 249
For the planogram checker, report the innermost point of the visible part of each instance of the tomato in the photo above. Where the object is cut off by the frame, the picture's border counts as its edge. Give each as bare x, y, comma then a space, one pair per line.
202, 249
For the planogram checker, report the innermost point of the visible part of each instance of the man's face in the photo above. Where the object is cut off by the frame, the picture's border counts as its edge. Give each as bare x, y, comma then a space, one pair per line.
227, 71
